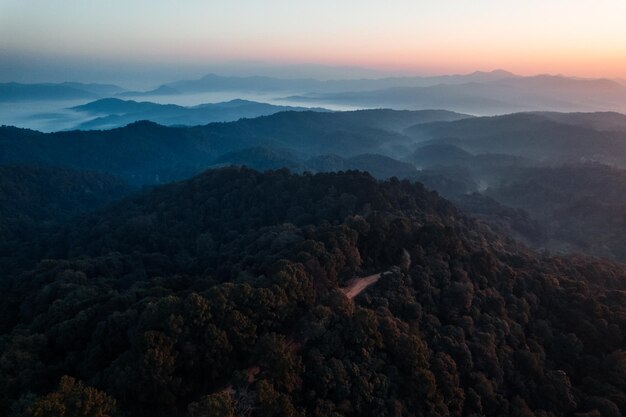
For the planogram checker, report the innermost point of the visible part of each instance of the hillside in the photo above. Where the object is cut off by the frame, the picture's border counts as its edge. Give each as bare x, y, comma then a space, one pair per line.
153, 306
603, 121
455, 156
145, 152
36, 199
564, 208
580, 207
49, 193
547, 138
262, 159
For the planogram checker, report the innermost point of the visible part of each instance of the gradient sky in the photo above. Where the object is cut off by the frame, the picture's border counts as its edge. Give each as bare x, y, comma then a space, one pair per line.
573, 37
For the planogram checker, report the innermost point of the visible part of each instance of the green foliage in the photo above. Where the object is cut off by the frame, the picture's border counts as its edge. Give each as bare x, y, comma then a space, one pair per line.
73, 399
221, 296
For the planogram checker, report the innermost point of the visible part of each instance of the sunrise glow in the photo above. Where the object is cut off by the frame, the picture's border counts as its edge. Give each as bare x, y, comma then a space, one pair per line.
575, 37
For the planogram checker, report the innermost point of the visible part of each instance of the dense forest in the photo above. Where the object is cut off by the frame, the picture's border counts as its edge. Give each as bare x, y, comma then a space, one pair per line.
563, 208
580, 207
550, 137
161, 303
36, 200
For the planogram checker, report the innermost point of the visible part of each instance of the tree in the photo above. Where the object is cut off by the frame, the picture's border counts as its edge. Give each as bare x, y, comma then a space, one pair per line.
215, 405
73, 399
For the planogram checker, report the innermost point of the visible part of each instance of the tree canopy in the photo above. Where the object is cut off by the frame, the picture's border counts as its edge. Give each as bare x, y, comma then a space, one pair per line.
160, 304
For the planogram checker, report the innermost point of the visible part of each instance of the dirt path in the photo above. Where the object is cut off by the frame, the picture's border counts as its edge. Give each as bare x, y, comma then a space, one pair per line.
356, 286
353, 288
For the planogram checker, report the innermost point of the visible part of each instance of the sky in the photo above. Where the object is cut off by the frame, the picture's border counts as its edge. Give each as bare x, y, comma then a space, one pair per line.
100, 39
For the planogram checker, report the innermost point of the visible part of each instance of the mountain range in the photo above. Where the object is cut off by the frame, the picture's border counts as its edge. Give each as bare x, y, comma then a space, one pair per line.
479, 93
145, 152
144, 149
542, 137
15, 92
499, 158
214, 82
113, 112
502, 95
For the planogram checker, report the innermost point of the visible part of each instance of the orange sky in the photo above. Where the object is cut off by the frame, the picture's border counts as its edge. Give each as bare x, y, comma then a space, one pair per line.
573, 37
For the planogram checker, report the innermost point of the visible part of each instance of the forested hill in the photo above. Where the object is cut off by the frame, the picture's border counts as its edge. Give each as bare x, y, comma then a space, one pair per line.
152, 306
145, 152
35, 200
550, 137
44, 193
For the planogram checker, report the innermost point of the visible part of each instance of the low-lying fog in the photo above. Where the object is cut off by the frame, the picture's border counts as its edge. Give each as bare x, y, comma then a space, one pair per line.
54, 115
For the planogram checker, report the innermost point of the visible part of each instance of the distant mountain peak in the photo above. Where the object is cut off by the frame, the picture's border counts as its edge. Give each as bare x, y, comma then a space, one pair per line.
497, 72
